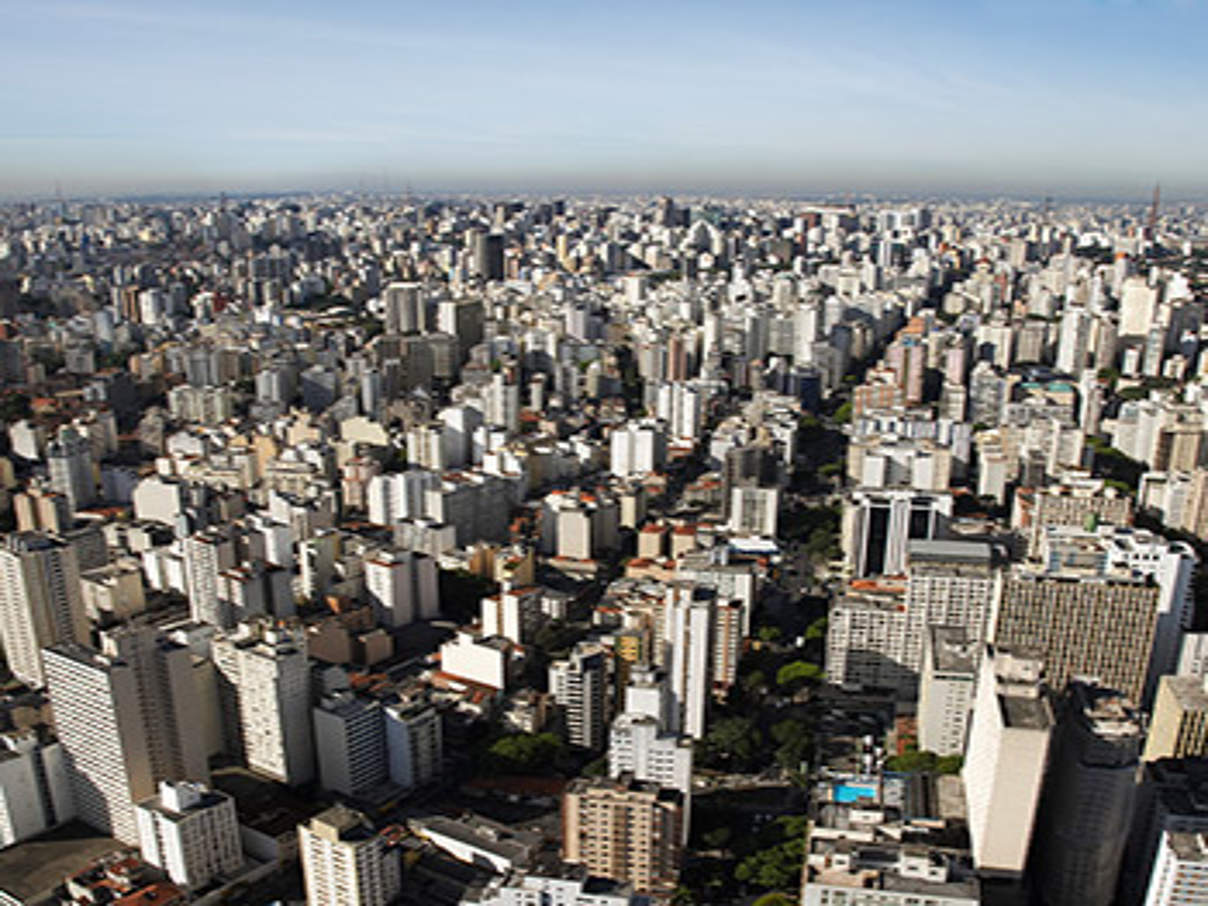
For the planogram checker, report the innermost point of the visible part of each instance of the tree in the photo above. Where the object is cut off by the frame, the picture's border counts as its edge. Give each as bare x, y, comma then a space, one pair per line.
796, 673
794, 741
843, 413
732, 743
522, 753
816, 629
769, 633
775, 899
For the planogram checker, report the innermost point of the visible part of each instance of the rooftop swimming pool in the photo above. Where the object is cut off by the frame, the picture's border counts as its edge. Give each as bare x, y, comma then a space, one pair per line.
853, 792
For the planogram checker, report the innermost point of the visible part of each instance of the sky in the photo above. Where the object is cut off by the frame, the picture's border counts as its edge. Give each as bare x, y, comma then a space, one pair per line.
1095, 98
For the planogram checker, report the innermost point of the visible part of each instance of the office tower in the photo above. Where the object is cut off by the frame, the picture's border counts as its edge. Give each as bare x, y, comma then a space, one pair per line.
124, 724
414, 743
488, 255
1088, 797
402, 587
345, 863
40, 602
1179, 727
688, 629
69, 461
579, 686
206, 555
946, 689
1005, 759
191, 832
624, 829
1082, 625
1180, 871
879, 524
35, 789
637, 745
350, 744
264, 690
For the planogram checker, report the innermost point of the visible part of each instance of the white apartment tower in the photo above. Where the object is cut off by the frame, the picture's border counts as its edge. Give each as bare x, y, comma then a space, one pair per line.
41, 602
264, 688
946, 689
402, 587
206, 555
191, 832
350, 743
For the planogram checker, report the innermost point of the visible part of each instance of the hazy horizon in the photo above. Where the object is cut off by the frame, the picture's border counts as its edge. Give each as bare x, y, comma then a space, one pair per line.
1094, 100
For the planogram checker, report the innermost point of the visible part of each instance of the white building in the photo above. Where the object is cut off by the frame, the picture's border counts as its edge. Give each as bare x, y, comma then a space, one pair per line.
191, 832
344, 863
206, 555
754, 511
484, 661
35, 790
264, 689
577, 889
688, 625
946, 689
1005, 759
414, 743
638, 448
1180, 871
350, 744
401, 587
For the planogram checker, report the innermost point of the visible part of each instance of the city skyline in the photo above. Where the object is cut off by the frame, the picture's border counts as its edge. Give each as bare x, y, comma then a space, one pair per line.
129, 98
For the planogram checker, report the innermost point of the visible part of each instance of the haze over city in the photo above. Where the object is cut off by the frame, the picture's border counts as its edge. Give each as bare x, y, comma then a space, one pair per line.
1068, 99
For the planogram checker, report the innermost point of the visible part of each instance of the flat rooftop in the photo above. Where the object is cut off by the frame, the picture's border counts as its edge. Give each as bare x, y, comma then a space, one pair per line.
31, 870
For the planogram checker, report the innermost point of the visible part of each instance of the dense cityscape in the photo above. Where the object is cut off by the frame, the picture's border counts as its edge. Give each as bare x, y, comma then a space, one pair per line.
369, 549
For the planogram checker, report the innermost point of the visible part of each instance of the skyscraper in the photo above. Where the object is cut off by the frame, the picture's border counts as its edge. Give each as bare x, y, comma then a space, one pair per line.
40, 602
879, 524
69, 461
207, 554
350, 744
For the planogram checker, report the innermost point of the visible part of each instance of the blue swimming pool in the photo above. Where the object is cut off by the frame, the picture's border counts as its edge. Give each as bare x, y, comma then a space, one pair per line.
854, 792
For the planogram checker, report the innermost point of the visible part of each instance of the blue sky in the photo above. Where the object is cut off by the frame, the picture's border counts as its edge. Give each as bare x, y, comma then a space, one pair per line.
1061, 98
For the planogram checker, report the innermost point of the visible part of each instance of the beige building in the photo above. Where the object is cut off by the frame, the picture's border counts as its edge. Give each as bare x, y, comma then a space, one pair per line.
345, 862
1082, 625
1179, 728
624, 829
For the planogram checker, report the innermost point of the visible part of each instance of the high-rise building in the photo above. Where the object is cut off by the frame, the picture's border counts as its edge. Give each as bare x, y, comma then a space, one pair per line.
946, 689
579, 686
1179, 727
191, 832
40, 602
414, 743
264, 690
1180, 871
688, 625
35, 790
126, 719
345, 863
488, 255
402, 587
206, 555
1082, 625
1088, 798
639, 746
69, 461
350, 744
624, 829
638, 448
1005, 759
